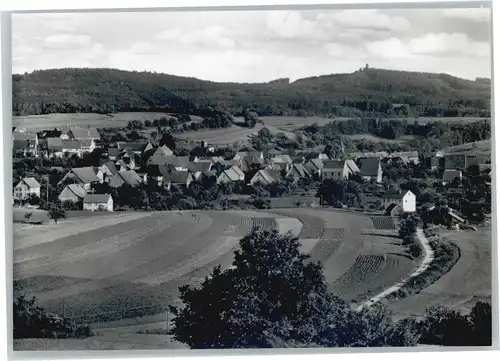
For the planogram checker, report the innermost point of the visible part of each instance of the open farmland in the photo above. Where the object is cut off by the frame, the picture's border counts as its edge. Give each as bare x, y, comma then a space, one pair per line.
121, 271
58, 120
467, 282
481, 147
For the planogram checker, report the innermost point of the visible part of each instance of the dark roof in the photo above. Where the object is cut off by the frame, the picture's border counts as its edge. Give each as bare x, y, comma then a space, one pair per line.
85, 174
299, 168
54, 143
133, 146
176, 177
199, 166
455, 161
70, 144
369, 166
449, 175
20, 144
391, 207
130, 177
114, 152
333, 164
84, 133
96, 198
318, 163
111, 166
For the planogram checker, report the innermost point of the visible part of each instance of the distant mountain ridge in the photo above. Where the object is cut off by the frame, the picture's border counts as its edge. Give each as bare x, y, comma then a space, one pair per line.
368, 90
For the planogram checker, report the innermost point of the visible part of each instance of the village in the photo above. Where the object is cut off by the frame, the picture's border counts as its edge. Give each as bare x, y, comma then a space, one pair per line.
142, 163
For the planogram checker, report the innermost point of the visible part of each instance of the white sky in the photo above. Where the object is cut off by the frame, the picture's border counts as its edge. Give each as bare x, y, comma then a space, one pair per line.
254, 46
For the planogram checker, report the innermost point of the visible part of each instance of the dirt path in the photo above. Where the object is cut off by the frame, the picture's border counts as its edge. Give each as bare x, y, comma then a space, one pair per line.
428, 258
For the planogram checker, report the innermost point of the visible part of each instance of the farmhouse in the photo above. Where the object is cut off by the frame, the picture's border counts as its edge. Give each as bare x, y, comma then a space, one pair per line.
129, 177
180, 179
314, 166
25, 188
98, 202
337, 169
84, 176
163, 151
233, 174
297, 171
370, 169
81, 133
399, 202
197, 168
450, 175
72, 192
265, 177
138, 148
108, 169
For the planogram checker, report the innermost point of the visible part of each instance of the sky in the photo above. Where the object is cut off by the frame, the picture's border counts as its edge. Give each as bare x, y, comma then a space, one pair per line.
257, 46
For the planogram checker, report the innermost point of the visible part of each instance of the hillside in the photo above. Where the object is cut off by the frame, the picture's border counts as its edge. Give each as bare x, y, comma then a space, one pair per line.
369, 90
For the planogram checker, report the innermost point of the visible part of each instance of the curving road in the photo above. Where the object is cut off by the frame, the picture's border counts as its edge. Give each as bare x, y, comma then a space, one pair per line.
428, 258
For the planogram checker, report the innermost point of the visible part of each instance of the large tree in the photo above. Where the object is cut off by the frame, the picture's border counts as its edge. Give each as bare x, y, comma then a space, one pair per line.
274, 295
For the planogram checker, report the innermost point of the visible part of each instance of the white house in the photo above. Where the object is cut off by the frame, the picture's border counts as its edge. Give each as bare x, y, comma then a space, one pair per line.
25, 188
98, 202
404, 201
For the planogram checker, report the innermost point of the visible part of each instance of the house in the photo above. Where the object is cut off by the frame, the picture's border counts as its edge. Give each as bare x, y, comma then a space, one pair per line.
82, 133
197, 168
314, 166
116, 153
297, 171
370, 169
405, 201
323, 156
25, 188
432, 163
72, 192
108, 169
233, 174
265, 177
178, 163
25, 143
139, 147
85, 176
163, 151
449, 175
178, 178
87, 145
129, 177
338, 169
407, 157
98, 202
57, 147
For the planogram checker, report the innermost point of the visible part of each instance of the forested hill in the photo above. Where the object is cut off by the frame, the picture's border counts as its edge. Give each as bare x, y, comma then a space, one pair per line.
372, 91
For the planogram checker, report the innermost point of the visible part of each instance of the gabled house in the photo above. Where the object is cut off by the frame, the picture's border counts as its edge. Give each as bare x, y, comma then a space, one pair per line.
163, 151
399, 202
335, 169
233, 174
128, 177
180, 179
197, 168
85, 176
314, 166
25, 188
25, 143
116, 153
449, 175
139, 147
87, 145
370, 169
82, 133
323, 156
108, 169
57, 147
72, 192
297, 171
175, 162
98, 202
265, 177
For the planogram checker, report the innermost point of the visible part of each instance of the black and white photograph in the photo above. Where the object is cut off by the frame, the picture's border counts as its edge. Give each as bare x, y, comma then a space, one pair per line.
252, 179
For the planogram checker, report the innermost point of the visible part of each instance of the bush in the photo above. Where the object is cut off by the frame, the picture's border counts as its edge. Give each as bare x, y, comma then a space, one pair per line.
31, 321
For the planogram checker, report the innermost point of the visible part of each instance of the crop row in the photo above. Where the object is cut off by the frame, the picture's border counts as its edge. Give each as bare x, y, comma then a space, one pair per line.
324, 249
364, 269
333, 233
265, 223
381, 222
